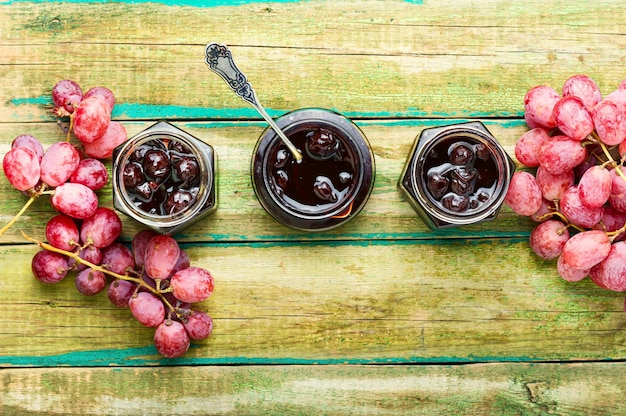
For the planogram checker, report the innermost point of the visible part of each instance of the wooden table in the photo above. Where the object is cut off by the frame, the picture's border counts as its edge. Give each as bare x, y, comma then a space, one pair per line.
380, 316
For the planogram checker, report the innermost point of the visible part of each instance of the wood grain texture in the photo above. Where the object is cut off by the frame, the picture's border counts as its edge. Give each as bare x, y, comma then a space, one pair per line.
380, 316
478, 389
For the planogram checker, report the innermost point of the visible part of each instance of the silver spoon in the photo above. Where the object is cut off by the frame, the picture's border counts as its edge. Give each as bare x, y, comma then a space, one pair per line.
220, 60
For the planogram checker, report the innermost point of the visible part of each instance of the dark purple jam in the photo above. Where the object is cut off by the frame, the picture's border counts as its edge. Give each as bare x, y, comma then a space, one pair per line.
460, 175
162, 177
324, 177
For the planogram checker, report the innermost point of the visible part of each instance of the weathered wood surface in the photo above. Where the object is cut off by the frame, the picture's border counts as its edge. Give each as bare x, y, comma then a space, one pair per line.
380, 316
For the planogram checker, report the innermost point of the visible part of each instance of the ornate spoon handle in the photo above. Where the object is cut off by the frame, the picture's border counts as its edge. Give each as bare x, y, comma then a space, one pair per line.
219, 59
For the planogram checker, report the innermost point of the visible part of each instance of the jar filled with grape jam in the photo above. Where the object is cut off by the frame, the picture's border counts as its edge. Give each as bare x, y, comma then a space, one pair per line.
329, 185
456, 175
164, 178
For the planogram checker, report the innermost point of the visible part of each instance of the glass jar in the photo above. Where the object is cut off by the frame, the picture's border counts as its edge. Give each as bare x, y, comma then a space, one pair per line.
332, 182
456, 175
164, 178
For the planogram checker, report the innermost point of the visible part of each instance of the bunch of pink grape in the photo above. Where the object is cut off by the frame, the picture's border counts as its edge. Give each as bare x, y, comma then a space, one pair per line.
62, 171
577, 193
154, 278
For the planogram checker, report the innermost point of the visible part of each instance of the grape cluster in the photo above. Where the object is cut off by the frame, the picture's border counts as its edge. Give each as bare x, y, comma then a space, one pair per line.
577, 193
154, 278
62, 171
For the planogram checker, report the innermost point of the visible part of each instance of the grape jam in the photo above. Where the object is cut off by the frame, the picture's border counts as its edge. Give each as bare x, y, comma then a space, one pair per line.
324, 176
460, 175
329, 185
161, 176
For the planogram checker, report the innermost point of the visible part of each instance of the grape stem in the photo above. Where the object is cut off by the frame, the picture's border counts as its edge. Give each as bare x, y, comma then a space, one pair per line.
74, 255
33, 195
593, 137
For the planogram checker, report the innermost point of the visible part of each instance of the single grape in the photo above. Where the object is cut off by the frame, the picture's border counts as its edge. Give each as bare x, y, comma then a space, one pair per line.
561, 154
539, 104
548, 239
67, 94
62, 232
21, 167
171, 339
90, 282
577, 212
104, 93
183, 261
569, 273
612, 220
547, 207
118, 258
49, 267
75, 200
584, 88
102, 228
91, 119
58, 163
527, 147
161, 255
30, 142
199, 325
610, 273
91, 254
586, 249
553, 186
610, 122
120, 292
594, 187
147, 309
139, 243
192, 284
524, 195
92, 173
102, 148
572, 118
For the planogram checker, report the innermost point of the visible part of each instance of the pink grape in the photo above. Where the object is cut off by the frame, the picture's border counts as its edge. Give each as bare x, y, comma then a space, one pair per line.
548, 239
21, 167
561, 154
30, 142
539, 104
569, 273
577, 212
594, 187
75, 200
183, 261
118, 258
104, 93
102, 228
58, 163
102, 148
553, 186
49, 267
586, 249
90, 282
524, 195
617, 199
584, 88
610, 122
91, 119
618, 97
161, 255
67, 94
192, 284
62, 232
610, 273
527, 147
120, 292
612, 220
92, 173
199, 325
572, 118
171, 339
91, 254
139, 244
147, 309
